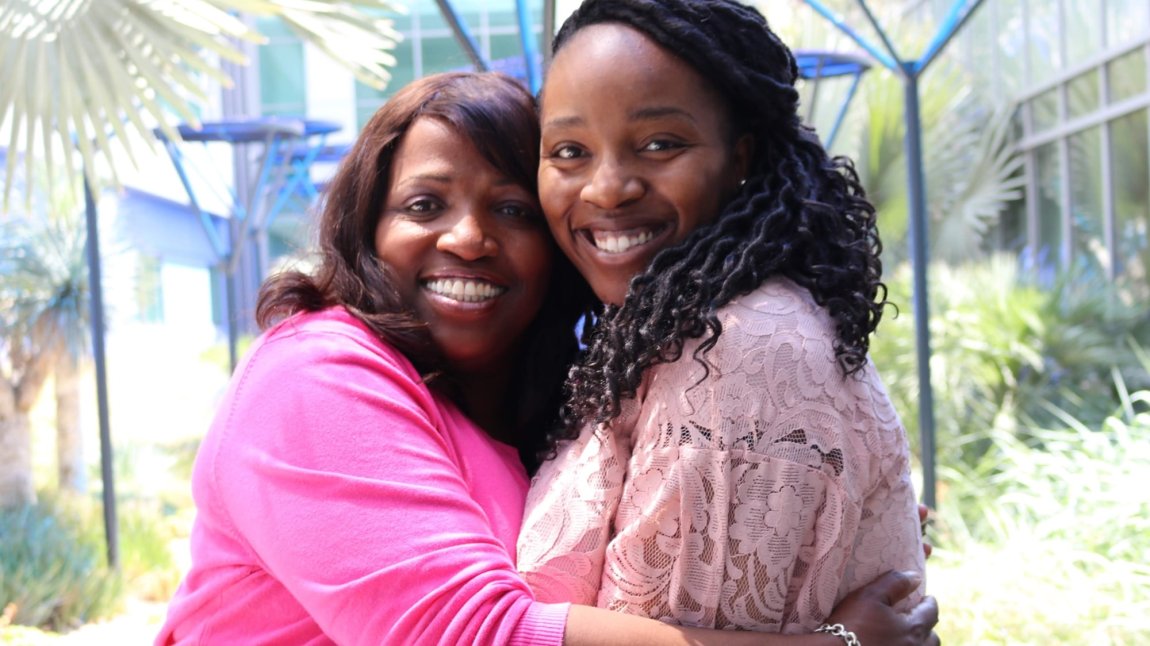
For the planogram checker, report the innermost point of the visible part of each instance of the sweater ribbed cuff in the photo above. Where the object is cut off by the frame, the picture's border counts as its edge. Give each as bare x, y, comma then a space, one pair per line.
543, 623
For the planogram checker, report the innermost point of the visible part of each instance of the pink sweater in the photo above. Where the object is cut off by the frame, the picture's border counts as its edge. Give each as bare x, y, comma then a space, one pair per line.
341, 501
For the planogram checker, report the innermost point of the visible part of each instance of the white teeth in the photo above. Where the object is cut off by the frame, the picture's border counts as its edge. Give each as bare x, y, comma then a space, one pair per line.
612, 242
464, 290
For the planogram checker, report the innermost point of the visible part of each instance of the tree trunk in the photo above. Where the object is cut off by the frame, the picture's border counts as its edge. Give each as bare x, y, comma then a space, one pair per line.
16, 488
70, 468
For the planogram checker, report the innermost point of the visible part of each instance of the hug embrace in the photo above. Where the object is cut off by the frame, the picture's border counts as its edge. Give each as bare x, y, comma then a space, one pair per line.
716, 461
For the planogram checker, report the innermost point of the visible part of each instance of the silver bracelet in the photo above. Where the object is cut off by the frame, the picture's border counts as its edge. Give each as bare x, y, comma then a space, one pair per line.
839, 630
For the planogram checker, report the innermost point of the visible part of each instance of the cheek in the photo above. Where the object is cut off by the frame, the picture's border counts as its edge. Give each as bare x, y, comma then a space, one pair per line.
555, 195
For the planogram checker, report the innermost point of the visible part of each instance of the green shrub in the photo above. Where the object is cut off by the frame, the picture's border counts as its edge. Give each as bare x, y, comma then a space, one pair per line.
149, 569
1003, 345
52, 567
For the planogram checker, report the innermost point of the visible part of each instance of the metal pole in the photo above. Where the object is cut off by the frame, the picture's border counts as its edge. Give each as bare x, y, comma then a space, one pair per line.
918, 248
96, 305
548, 31
462, 35
528, 44
232, 322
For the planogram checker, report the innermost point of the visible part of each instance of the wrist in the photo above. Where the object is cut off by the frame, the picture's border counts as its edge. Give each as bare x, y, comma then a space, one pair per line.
840, 631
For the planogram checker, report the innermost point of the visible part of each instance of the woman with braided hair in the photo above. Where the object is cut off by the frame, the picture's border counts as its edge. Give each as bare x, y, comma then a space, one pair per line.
728, 456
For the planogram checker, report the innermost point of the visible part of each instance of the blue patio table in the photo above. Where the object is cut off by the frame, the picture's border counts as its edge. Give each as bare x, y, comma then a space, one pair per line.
253, 206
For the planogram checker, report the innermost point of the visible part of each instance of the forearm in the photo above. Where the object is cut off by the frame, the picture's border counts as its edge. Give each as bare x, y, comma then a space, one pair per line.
587, 626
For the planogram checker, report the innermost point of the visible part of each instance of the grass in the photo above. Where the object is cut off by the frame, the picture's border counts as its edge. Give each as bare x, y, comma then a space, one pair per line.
1047, 541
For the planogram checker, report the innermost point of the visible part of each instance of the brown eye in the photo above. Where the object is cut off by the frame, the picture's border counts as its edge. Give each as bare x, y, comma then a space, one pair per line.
661, 145
421, 205
516, 210
568, 152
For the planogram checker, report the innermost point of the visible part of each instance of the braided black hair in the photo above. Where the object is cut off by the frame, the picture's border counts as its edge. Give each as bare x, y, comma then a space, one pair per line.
800, 214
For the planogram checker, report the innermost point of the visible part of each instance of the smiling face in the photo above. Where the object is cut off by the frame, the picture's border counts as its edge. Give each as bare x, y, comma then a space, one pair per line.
636, 153
467, 247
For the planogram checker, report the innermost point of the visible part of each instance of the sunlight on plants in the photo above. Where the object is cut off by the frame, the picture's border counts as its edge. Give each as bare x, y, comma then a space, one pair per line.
1042, 533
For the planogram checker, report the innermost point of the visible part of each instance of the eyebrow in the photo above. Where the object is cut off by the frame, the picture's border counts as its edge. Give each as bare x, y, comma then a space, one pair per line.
447, 179
658, 112
642, 114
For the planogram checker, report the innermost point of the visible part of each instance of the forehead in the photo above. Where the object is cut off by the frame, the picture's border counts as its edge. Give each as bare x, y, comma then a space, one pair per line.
431, 146
611, 65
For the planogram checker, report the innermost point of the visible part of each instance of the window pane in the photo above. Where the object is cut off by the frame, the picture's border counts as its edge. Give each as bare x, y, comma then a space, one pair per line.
503, 18
1082, 94
505, 45
1086, 197
1011, 59
149, 293
1045, 51
282, 82
1126, 19
1049, 212
1129, 152
442, 55
1127, 75
1084, 31
1044, 110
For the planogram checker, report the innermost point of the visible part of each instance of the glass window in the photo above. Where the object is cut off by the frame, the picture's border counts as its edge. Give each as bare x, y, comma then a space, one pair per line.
1044, 110
1129, 152
1125, 20
1084, 22
149, 294
1086, 196
1011, 60
442, 55
505, 46
1045, 51
1127, 75
283, 88
504, 18
368, 99
1049, 211
1083, 94
274, 29
1017, 124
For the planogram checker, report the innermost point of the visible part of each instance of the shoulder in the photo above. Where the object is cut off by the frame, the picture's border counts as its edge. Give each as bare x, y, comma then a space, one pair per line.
328, 364
311, 340
777, 306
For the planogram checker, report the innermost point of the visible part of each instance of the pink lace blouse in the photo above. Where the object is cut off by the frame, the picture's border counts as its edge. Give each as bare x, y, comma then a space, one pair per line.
754, 496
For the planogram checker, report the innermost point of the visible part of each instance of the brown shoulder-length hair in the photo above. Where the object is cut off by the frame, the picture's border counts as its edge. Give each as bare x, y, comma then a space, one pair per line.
498, 116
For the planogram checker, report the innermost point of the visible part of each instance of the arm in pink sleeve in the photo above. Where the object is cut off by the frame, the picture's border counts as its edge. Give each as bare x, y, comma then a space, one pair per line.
568, 518
338, 470
887, 538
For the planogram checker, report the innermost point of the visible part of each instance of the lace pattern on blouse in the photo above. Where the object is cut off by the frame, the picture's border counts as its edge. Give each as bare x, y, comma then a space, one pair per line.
755, 498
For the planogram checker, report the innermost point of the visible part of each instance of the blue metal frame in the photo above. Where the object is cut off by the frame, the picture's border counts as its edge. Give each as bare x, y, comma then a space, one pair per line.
272, 135
530, 51
462, 35
531, 58
956, 18
818, 65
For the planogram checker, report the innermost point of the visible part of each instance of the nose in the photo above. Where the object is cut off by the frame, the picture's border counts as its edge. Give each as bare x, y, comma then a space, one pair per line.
467, 236
613, 183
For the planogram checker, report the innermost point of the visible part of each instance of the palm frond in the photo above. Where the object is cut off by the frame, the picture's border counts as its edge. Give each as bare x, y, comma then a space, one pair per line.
84, 75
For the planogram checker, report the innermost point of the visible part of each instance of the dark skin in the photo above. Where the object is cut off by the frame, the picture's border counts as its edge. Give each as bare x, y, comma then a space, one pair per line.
880, 623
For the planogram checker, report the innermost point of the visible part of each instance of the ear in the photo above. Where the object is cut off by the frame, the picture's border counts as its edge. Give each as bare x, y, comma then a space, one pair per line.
744, 152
